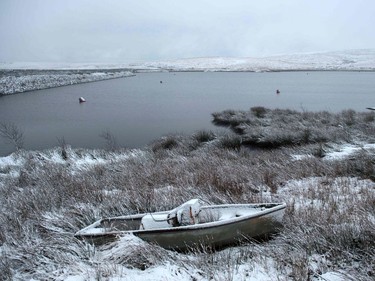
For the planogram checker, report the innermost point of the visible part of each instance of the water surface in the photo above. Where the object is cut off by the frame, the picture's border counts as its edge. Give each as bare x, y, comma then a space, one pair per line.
137, 110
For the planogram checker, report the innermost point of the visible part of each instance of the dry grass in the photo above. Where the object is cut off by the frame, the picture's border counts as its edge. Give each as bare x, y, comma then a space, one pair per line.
329, 222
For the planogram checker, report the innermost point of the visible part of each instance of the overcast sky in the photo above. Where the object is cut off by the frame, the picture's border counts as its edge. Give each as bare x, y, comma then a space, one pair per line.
138, 30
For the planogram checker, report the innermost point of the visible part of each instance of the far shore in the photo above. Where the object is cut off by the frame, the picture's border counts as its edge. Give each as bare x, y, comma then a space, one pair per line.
15, 81
25, 80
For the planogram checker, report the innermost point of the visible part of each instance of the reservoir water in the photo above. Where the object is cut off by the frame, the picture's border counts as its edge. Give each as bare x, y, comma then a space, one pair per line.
137, 110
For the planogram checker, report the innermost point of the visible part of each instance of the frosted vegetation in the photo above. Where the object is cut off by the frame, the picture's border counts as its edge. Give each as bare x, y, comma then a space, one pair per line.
46, 196
263, 127
18, 81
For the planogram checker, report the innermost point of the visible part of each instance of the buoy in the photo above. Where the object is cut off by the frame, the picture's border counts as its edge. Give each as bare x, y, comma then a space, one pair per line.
81, 99
277, 91
161, 82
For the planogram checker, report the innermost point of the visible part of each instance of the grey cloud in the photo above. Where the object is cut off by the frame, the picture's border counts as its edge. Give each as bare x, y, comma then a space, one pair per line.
121, 31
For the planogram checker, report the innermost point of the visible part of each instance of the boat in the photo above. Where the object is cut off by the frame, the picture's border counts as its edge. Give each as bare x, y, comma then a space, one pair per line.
191, 225
81, 99
370, 108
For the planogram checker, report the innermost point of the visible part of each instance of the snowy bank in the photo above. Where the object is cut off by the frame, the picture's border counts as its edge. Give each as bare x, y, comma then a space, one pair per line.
19, 81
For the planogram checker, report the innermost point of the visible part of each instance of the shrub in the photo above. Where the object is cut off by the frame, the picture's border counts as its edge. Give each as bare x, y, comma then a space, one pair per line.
62, 144
284, 127
204, 136
259, 111
369, 117
229, 117
12, 134
231, 142
110, 140
348, 117
166, 143
319, 151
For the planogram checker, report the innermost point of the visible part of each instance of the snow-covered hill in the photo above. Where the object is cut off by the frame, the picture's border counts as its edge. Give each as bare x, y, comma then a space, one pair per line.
340, 60
345, 60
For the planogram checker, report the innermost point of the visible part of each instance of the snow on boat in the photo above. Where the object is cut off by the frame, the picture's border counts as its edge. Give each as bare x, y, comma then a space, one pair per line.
191, 225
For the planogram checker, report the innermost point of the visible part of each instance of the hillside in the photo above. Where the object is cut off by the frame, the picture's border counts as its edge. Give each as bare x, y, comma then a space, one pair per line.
344, 60
349, 60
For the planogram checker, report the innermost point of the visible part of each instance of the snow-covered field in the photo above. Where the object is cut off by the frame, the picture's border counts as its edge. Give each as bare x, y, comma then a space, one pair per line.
354, 60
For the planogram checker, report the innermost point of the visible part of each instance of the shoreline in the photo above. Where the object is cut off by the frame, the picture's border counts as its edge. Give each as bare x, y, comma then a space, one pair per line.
54, 78
34, 80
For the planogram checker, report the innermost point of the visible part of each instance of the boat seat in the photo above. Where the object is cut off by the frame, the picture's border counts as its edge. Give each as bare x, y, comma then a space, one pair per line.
154, 221
185, 214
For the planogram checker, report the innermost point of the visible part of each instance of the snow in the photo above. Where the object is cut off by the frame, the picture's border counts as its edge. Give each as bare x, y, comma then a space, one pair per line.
160, 273
60, 66
77, 160
333, 276
345, 60
84, 160
129, 246
12, 83
10, 165
293, 190
11, 160
339, 151
347, 150
363, 59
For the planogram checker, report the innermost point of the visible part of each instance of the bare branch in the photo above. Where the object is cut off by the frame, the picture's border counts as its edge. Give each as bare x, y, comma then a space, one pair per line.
12, 134
62, 144
110, 140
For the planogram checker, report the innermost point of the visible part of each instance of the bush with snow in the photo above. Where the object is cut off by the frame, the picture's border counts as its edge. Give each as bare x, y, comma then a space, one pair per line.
279, 127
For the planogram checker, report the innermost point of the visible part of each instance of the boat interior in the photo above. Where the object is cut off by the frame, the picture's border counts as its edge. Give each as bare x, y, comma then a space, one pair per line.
189, 213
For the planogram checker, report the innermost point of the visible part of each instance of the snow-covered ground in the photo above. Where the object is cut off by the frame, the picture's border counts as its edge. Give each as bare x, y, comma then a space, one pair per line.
340, 151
